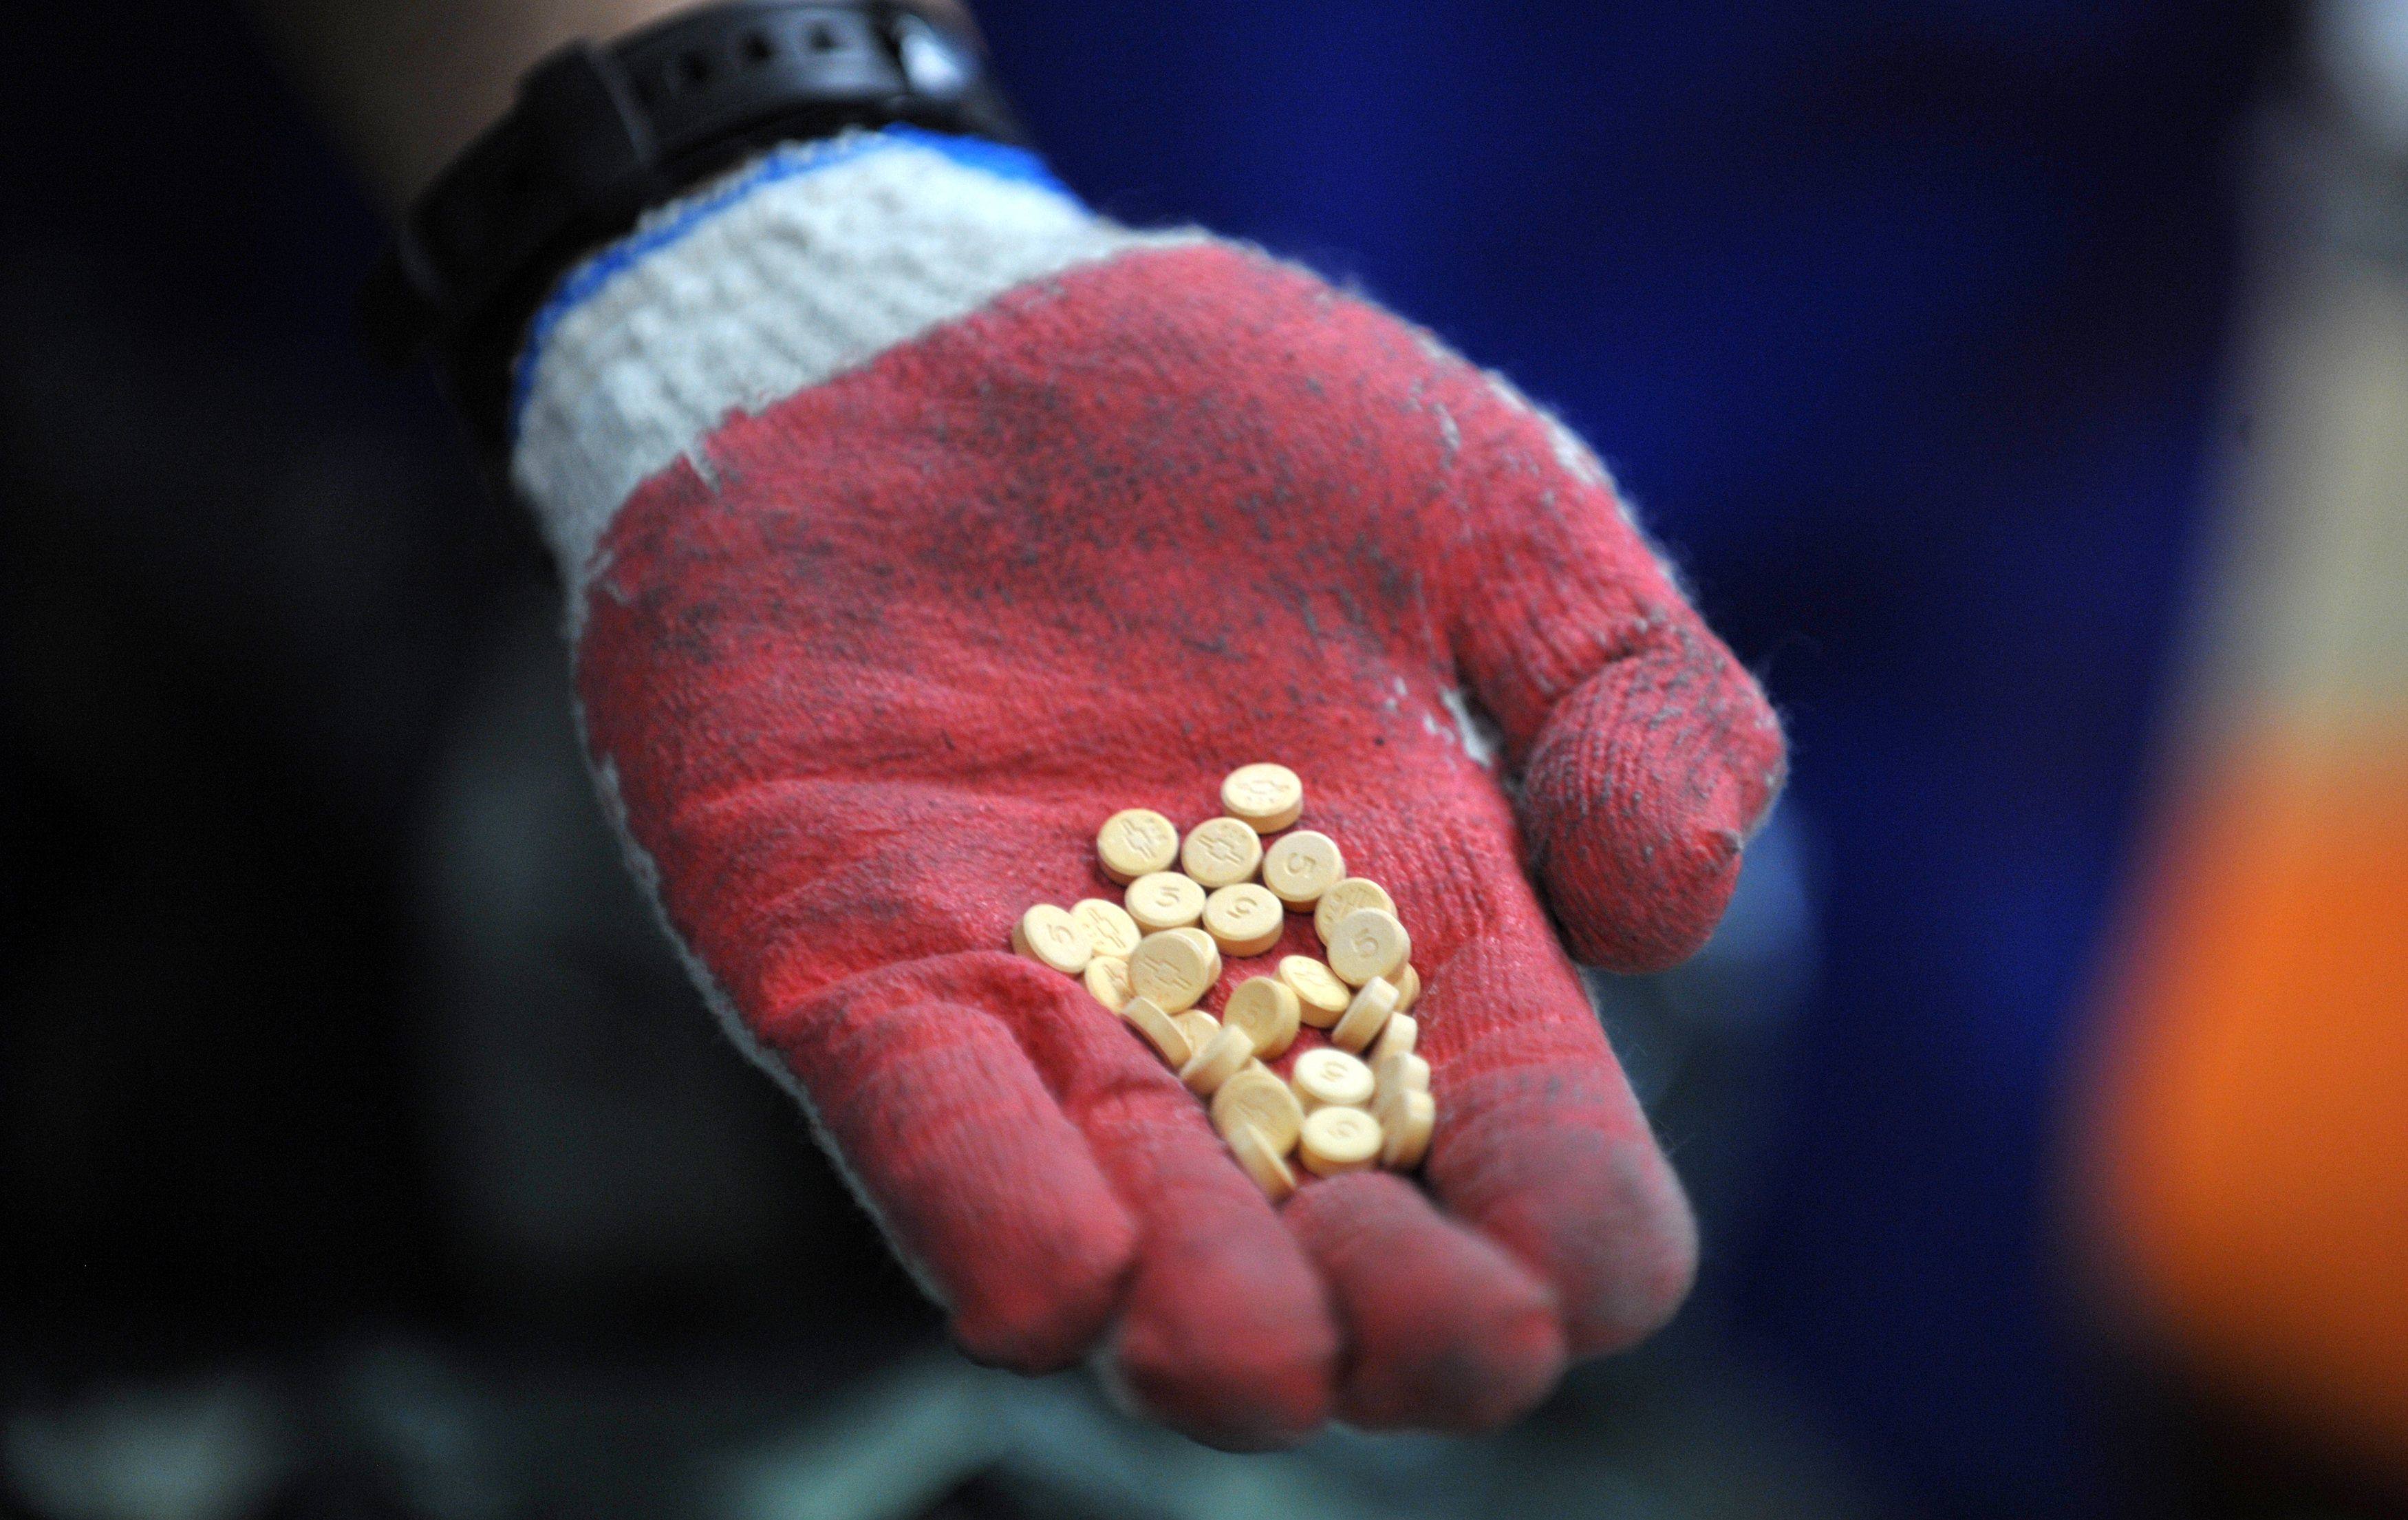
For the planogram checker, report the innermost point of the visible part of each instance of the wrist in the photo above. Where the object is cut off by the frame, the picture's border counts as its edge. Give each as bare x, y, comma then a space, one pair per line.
407, 88
808, 261
602, 131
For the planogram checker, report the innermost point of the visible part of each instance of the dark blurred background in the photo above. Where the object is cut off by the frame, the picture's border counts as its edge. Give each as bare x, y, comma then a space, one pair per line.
365, 1153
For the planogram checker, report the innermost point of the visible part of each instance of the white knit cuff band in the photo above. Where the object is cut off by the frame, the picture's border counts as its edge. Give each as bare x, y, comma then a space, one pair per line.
808, 262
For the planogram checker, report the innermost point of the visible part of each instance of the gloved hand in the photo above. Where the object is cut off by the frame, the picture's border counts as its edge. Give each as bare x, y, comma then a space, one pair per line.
915, 521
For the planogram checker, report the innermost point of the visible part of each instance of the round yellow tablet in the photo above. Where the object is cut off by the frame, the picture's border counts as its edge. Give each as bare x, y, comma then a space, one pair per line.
1109, 926
1136, 842
1302, 866
1051, 936
1324, 1078
1170, 969
1108, 978
1409, 987
1147, 1018
1400, 1074
1343, 898
1365, 1015
1268, 1011
1199, 1026
1321, 998
1398, 1038
1370, 943
1221, 852
1204, 946
1265, 796
1256, 1099
1164, 900
1405, 1125
1338, 1141
1217, 1062
1243, 920
1266, 1167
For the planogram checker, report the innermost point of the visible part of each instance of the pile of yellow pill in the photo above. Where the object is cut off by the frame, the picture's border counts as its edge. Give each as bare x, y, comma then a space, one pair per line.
1225, 888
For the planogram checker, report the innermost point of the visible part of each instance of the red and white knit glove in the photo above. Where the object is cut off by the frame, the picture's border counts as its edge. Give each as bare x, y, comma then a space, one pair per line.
915, 519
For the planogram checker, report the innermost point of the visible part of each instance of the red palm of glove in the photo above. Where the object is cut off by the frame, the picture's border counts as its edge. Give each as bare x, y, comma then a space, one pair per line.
867, 686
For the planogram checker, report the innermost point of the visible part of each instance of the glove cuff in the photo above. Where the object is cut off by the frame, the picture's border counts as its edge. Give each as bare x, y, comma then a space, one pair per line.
808, 260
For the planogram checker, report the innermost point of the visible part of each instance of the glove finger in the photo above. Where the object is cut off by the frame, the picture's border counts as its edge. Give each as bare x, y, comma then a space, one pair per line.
1226, 1331
1646, 753
1444, 1330
1637, 795
984, 1187
1541, 1144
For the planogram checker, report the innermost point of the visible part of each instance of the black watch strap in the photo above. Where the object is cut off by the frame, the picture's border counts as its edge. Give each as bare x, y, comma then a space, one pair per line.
600, 133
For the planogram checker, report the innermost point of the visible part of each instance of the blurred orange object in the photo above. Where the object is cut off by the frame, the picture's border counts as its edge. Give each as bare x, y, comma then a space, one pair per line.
2246, 1148
2257, 1138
